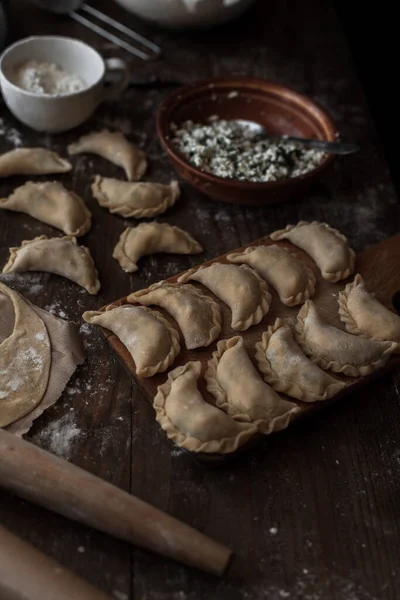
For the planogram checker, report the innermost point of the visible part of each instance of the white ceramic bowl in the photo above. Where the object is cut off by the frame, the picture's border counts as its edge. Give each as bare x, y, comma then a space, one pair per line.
186, 13
57, 113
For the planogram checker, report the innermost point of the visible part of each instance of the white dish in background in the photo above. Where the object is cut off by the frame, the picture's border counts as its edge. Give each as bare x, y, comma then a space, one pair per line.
57, 113
187, 13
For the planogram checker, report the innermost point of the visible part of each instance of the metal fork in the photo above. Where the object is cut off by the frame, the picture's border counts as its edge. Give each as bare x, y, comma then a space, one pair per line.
71, 8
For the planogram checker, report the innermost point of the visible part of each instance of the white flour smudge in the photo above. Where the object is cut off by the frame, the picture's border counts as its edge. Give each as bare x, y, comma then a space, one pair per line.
56, 310
59, 437
10, 134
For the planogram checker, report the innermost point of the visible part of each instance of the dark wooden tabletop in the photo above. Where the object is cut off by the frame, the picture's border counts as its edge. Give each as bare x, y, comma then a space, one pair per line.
312, 513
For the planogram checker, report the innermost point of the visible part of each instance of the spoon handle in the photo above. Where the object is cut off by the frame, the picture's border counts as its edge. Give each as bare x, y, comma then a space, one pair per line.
328, 147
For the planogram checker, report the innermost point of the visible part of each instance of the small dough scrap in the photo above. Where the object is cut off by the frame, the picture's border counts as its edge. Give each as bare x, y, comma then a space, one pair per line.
114, 147
362, 314
152, 238
240, 391
137, 200
25, 360
61, 256
190, 421
51, 203
338, 351
240, 287
198, 315
288, 370
32, 161
326, 246
292, 279
148, 337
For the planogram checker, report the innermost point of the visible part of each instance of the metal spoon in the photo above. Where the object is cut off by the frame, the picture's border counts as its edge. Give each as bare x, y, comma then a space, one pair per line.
328, 147
70, 8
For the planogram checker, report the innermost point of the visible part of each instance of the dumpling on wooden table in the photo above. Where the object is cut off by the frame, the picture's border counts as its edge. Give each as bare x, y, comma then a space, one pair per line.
363, 314
198, 315
240, 287
137, 200
32, 161
327, 247
152, 238
291, 278
240, 391
148, 337
336, 350
288, 370
61, 256
51, 203
190, 421
114, 147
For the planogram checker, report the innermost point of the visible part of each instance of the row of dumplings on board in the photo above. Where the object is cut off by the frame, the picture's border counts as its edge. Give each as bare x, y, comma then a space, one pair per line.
293, 360
51, 203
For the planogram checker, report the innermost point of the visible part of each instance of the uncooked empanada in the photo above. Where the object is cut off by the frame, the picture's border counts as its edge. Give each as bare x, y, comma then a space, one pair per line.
61, 256
113, 146
287, 369
197, 315
240, 287
338, 351
25, 360
138, 200
190, 421
362, 314
326, 246
149, 338
152, 238
51, 203
291, 278
240, 391
32, 161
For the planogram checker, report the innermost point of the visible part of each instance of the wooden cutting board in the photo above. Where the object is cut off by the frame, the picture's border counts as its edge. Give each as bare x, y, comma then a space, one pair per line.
379, 265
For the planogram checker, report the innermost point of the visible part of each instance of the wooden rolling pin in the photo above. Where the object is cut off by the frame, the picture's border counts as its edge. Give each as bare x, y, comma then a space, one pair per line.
26, 573
60, 486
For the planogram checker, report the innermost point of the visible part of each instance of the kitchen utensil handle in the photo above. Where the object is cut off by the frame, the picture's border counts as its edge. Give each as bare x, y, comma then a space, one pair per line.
27, 573
45, 479
117, 87
330, 147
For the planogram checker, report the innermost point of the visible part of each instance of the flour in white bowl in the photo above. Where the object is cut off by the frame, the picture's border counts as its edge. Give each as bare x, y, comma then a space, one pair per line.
46, 78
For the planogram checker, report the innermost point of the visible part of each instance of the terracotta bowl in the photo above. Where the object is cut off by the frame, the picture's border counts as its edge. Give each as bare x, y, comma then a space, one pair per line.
280, 109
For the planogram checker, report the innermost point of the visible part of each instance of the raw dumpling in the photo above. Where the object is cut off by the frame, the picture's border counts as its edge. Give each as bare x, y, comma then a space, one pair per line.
61, 256
51, 203
32, 161
241, 288
190, 421
326, 246
138, 200
113, 146
338, 351
291, 278
362, 314
25, 360
148, 337
287, 369
197, 315
239, 390
152, 238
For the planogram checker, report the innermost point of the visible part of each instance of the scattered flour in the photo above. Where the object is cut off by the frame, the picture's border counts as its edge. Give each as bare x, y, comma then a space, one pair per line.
10, 134
273, 530
59, 437
56, 310
26, 283
119, 595
81, 549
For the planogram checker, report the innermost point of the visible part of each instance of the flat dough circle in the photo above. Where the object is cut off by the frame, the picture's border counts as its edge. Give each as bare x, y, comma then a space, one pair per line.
25, 359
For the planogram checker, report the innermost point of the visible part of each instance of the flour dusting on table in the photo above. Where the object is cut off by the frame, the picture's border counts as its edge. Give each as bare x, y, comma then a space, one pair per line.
59, 436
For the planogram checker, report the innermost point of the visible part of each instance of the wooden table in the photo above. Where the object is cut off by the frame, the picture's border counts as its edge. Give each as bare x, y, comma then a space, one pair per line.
312, 513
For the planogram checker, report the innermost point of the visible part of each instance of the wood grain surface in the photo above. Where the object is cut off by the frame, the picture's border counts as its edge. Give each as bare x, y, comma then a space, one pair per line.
313, 513
379, 267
